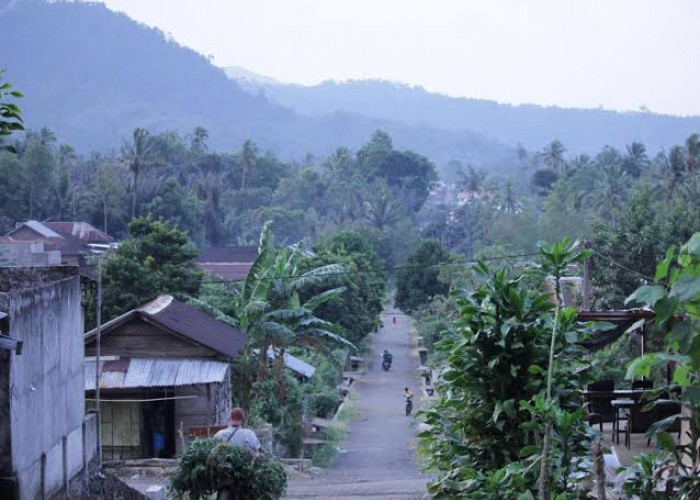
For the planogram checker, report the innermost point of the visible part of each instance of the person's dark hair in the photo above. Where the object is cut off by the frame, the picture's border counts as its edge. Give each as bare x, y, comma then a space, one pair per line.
405, 389
238, 415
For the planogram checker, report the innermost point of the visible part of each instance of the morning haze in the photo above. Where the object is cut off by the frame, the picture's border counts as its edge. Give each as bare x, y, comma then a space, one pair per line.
623, 54
403, 250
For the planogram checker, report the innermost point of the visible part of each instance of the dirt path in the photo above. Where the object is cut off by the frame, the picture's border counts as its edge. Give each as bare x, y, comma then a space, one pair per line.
378, 456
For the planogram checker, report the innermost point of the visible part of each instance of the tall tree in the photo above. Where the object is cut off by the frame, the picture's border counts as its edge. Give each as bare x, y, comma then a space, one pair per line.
248, 158
138, 155
156, 259
553, 155
417, 281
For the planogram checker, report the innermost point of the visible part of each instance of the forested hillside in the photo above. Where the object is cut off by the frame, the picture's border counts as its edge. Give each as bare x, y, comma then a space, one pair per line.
95, 75
582, 130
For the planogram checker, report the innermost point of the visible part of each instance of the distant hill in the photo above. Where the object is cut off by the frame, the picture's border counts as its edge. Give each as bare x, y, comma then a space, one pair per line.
93, 75
581, 130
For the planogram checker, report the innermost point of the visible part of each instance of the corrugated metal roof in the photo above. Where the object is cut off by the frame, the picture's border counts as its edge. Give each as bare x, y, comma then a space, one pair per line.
293, 363
157, 372
42, 229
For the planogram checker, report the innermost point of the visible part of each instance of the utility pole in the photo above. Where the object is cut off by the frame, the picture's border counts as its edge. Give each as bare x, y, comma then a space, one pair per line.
587, 279
98, 440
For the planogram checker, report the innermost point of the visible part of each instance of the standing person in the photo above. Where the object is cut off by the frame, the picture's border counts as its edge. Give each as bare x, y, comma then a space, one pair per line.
237, 435
408, 397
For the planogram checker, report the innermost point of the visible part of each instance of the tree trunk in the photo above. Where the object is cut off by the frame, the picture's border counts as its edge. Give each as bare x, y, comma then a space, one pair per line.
599, 467
104, 214
543, 490
31, 200
133, 195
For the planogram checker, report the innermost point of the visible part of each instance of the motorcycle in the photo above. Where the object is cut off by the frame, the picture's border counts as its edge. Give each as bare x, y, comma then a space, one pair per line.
386, 365
409, 405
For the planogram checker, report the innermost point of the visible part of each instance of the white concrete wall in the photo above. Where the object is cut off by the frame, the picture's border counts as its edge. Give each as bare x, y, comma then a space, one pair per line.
47, 405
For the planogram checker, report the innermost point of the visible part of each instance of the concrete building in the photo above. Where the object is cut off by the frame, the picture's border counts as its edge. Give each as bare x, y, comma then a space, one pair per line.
27, 253
45, 437
76, 241
165, 368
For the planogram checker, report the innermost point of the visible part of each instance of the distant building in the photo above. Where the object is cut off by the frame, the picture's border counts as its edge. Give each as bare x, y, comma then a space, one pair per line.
45, 437
165, 368
76, 241
228, 262
27, 253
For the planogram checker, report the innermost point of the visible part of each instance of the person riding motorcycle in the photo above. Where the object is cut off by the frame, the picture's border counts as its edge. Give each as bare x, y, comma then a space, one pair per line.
387, 358
408, 397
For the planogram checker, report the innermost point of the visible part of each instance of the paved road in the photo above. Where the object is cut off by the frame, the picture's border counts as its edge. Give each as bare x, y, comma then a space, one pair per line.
378, 457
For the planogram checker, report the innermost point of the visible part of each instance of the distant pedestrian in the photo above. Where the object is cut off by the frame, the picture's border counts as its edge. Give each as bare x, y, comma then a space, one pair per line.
394, 319
237, 435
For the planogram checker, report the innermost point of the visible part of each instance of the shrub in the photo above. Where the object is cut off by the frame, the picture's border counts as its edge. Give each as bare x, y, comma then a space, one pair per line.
208, 464
323, 404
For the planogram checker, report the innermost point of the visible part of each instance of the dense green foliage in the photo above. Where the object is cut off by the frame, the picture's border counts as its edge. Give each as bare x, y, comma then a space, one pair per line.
417, 281
10, 114
156, 259
675, 298
364, 280
486, 426
210, 463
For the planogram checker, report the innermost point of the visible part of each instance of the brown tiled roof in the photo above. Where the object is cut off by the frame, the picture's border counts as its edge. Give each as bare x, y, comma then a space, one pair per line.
185, 321
229, 254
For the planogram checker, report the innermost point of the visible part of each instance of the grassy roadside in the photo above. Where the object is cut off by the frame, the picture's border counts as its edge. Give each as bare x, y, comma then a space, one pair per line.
336, 434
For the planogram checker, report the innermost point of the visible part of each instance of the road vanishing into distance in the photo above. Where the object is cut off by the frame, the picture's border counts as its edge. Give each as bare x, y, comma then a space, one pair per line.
378, 457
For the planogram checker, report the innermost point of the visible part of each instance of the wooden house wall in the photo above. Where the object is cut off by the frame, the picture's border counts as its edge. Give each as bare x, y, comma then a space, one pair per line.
121, 430
212, 406
138, 338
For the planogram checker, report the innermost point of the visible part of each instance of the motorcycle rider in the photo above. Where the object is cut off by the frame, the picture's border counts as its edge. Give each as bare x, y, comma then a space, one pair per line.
387, 358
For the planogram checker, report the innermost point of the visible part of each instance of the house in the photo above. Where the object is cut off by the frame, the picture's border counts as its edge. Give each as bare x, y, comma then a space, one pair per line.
228, 262
75, 241
46, 439
164, 368
27, 253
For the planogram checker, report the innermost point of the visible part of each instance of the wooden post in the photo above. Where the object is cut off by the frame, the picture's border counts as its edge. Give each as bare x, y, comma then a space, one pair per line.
98, 439
64, 443
587, 280
42, 461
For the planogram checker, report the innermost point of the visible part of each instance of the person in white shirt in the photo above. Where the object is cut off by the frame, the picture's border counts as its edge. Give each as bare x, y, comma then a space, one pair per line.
237, 435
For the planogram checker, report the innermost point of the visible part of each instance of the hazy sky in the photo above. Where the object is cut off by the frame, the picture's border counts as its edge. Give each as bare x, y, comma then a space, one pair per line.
619, 54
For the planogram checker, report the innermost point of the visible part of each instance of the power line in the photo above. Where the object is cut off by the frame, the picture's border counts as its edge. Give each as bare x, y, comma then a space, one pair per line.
621, 266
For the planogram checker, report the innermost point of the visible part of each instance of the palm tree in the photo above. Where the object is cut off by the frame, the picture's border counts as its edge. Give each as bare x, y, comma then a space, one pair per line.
248, 157
636, 159
198, 141
138, 155
610, 190
381, 208
553, 155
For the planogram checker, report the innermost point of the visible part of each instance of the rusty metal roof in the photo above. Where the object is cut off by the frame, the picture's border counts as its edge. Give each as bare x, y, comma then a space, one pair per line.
155, 372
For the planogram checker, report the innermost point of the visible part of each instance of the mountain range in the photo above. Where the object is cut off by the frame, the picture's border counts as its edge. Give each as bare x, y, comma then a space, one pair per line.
93, 75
